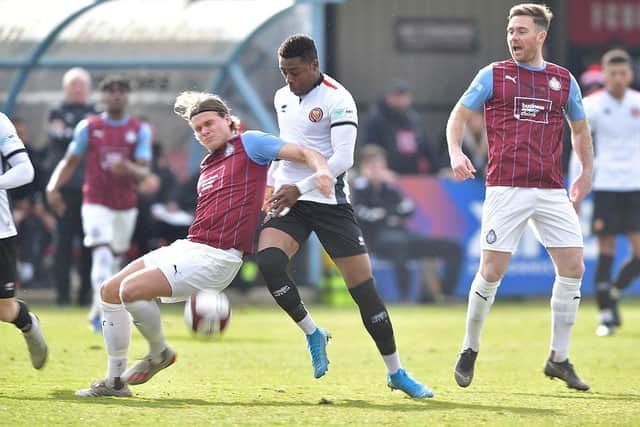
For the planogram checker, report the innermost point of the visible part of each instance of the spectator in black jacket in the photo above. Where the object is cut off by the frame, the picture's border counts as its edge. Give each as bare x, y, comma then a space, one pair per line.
381, 210
62, 122
394, 125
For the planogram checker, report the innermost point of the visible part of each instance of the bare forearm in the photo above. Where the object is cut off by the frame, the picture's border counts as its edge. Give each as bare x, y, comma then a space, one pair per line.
455, 131
315, 161
583, 147
61, 174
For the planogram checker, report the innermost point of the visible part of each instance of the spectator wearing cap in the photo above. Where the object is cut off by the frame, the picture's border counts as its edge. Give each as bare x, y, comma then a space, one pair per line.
76, 84
393, 124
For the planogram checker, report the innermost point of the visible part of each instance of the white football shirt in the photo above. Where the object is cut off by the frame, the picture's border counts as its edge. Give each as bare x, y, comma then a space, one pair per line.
10, 144
307, 121
616, 132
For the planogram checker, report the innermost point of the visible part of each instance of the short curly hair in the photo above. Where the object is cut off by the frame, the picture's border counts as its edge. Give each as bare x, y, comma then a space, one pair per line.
301, 45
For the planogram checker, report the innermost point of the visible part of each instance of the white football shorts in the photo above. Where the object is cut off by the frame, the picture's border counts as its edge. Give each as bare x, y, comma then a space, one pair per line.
190, 267
105, 226
548, 211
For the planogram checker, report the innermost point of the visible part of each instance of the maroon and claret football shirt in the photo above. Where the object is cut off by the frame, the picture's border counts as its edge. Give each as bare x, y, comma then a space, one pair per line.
525, 123
231, 189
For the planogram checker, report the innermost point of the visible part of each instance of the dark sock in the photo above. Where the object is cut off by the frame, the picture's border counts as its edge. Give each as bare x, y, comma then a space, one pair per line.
23, 319
603, 281
374, 316
627, 274
273, 266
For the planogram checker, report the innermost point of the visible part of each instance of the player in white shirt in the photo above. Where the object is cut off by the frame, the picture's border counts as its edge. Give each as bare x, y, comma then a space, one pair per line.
317, 112
614, 116
20, 172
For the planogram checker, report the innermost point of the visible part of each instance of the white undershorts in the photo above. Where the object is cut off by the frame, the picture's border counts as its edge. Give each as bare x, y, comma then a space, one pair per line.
548, 211
105, 226
190, 267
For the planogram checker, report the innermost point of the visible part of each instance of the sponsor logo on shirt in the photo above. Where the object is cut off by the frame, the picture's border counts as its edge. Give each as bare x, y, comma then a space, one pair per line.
531, 109
316, 114
208, 182
508, 77
342, 113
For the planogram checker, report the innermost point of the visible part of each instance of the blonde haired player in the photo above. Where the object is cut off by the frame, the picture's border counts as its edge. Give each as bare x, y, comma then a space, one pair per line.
230, 188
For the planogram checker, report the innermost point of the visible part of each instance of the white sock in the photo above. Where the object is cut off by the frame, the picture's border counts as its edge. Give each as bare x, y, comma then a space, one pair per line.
307, 325
101, 264
565, 300
392, 361
146, 317
116, 329
481, 297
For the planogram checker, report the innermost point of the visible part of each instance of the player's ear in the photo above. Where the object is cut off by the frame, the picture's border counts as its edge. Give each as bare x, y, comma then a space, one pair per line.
315, 64
541, 36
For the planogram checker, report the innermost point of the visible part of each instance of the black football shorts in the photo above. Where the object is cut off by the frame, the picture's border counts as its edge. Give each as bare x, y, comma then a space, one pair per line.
335, 226
616, 212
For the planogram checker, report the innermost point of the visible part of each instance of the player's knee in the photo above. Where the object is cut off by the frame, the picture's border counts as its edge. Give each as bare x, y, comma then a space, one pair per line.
127, 291
574, 268
110, 291
491, 274
272, 263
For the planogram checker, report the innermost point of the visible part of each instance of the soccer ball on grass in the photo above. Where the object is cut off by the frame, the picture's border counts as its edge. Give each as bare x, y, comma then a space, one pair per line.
207, 313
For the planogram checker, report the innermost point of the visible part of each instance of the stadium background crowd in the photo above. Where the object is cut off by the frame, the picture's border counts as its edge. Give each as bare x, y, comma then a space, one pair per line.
423, 54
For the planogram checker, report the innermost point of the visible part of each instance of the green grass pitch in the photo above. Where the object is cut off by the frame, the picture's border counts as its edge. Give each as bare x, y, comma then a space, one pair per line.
259, 373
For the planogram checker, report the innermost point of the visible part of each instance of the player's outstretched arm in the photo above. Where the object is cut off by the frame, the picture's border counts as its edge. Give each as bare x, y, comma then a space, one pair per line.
460, 164
343, 142
60, 176
583, 147
287, 195
268, 192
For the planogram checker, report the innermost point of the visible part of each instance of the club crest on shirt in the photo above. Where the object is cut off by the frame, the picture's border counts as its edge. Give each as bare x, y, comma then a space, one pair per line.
554, 84
491, 237
316, 114
130, 137
635, 112
229, 150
